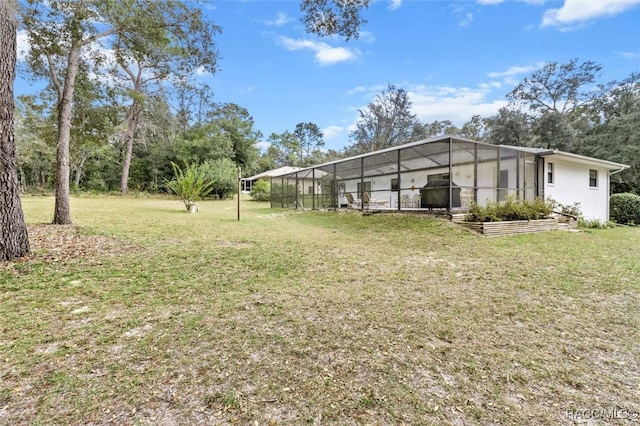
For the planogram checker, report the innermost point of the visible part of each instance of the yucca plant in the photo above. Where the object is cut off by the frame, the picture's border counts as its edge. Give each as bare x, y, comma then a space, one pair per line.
190, 184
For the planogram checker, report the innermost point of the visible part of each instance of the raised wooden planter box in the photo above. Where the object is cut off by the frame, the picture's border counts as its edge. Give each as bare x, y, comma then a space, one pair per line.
511, 227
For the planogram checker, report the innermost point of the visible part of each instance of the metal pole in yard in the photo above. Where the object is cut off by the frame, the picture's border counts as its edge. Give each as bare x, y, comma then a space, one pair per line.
239, 190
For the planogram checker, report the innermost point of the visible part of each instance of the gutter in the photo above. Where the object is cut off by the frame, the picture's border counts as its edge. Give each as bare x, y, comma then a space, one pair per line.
611, 173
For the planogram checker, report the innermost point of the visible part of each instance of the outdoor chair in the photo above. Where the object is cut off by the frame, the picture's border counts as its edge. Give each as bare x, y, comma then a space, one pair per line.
416, 201
368, 201
404, 201
352, 203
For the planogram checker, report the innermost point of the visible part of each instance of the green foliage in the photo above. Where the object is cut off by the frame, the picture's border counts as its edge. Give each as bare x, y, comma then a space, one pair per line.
570, 209
386, 121
261, 191
224, 174
512, 208
594, 224
625, 208
573, 209
190, 184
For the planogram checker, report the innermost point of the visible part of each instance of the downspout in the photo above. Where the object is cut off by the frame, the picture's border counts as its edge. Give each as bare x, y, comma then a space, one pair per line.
450, 176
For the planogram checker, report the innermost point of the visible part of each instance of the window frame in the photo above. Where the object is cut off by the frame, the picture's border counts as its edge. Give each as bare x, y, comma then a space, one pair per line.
593, 178
551, 178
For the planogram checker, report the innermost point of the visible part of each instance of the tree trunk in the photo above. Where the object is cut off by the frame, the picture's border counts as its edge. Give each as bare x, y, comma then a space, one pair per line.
14, 240
131, 131
78, 172
62, 212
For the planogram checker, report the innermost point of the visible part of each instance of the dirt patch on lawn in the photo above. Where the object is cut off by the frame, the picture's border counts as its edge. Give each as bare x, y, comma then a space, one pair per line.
64, 243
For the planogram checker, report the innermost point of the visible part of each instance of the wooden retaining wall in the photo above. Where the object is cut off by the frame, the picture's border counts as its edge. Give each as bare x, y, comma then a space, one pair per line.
512, 227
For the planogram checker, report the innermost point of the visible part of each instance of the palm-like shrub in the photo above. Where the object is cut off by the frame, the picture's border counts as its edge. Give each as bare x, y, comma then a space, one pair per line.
190, 183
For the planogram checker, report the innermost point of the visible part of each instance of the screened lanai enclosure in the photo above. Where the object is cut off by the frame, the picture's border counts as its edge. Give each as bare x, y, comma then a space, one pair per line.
444, 173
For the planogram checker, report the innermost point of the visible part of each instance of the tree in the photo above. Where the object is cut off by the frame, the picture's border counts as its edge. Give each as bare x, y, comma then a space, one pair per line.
172, 39
284, 148
14, 238
66, 30
59, 33
437, 128
616, 136
310, 139
473, 129
35, 142
508, 127
385, 122
237, 126
331, 17
557, 95
223, 172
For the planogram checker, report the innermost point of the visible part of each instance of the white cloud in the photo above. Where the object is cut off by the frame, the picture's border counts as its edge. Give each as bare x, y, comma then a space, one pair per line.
332, 132
366, 36
358, 89
23, 46
324, 53
579, 11
512, 74
395, 4
466, 20
280, 20
628, 55
458, 104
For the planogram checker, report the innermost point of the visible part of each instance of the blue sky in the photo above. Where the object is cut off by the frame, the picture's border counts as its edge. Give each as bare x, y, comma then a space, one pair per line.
454, 58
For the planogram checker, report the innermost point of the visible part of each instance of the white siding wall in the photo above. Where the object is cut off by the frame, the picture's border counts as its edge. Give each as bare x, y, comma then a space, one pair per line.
571, 184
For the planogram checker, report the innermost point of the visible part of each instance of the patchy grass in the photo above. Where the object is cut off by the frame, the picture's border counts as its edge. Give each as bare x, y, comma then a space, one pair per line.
145, 314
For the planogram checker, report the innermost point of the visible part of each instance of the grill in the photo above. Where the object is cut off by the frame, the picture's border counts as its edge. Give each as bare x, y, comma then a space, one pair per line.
435, 195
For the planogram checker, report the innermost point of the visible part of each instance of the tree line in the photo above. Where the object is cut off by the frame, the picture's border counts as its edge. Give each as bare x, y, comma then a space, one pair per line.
153, 48
120, 105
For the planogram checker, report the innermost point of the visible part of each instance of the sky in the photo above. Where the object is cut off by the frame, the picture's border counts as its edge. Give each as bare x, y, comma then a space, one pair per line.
455, 59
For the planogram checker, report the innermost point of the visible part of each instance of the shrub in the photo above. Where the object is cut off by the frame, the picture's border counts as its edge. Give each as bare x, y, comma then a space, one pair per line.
573, 209
512, 208
223, 172
261, 191
594, 224
625, 208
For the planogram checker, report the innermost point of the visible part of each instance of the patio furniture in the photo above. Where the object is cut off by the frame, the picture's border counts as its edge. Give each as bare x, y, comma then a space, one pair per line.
352, 203
368, 201
416, 201
404, 201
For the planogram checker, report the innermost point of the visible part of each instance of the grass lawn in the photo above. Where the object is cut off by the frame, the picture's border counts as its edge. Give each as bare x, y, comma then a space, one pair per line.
145, 314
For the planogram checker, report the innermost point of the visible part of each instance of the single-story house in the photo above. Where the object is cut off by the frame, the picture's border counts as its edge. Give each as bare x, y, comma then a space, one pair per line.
448, 173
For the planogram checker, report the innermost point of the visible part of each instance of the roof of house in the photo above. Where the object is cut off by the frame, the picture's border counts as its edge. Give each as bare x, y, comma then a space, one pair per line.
537, 151
274, 173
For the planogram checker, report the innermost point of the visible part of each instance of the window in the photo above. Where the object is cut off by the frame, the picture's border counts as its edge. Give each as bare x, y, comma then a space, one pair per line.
593, 178
310, 189
439, 176
550, 178
394, 184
